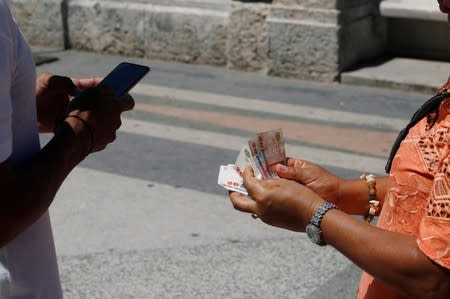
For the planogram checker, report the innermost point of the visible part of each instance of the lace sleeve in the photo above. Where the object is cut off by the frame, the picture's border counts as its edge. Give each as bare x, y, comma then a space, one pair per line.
434, 234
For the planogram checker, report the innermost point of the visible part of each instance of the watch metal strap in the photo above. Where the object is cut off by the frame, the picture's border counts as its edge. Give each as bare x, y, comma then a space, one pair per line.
320, 212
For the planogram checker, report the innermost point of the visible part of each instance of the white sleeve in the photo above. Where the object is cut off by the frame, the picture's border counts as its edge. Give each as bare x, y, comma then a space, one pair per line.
5, 97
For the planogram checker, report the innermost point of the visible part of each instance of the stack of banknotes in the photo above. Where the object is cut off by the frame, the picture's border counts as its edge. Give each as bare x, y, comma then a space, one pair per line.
261, 153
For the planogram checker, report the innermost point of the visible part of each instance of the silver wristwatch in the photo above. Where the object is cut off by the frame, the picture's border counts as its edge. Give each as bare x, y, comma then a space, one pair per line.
313, 228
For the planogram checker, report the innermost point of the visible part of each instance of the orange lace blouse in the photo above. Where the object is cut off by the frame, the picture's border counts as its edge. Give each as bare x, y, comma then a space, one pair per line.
417, 201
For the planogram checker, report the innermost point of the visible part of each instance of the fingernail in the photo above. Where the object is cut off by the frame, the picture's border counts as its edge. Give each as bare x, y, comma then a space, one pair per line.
282, 168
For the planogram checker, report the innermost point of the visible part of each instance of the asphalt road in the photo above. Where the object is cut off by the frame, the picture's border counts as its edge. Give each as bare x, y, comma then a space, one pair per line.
146, 219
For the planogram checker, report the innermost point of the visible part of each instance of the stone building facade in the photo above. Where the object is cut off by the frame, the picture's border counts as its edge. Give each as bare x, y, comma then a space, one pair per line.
305, 39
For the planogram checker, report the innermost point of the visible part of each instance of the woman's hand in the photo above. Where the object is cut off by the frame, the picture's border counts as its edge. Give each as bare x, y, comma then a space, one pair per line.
279, 202
321, 181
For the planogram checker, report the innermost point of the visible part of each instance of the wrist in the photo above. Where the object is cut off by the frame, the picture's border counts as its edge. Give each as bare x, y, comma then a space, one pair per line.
313, 229
313, 207
87, 128
373, 203
339, 191
77, 134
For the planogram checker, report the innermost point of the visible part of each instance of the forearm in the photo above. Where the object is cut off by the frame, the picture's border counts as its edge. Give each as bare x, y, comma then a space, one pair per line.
31, 186
391, 257
353, 195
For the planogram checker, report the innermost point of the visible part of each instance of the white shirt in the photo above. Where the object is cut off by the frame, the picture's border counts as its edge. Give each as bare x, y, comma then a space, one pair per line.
28, 267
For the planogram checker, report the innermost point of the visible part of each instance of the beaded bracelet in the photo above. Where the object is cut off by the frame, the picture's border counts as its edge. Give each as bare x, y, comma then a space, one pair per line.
374, 204
89, 128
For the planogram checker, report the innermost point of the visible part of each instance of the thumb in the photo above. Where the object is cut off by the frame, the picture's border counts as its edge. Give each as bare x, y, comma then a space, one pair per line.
287, 172
62, 83
126, 102
295, 169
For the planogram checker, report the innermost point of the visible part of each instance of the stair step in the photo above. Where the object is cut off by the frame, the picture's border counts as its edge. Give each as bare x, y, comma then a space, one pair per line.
407, 74
412, 9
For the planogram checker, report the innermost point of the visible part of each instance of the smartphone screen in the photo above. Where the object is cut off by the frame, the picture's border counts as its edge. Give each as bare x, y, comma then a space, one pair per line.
124, 77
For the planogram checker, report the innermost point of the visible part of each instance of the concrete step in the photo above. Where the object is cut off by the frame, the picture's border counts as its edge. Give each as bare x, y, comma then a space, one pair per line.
416, 28
204, 4
401, 73
412, 9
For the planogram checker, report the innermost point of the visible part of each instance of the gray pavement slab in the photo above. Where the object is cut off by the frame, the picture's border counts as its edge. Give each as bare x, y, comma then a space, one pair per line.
337, 287
401, 73
230, 270
145, 219
132, 238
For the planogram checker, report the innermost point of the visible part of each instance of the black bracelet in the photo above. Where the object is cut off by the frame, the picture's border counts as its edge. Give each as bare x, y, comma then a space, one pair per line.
88, 126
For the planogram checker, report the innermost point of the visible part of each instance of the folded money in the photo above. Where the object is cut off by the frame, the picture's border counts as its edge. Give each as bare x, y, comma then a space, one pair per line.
231, 179
261, 153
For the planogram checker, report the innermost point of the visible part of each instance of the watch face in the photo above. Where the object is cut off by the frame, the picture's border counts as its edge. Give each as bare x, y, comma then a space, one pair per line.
313, 232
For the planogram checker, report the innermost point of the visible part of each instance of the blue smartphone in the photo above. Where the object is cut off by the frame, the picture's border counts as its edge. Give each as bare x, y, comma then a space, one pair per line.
124, 77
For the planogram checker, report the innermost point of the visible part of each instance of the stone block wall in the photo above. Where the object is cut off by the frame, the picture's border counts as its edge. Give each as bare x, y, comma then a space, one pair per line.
305, 39
318, 39
189, 34
247, 40
40, 21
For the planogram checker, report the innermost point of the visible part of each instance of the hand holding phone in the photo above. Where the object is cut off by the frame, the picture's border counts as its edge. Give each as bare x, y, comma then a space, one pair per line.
104, 115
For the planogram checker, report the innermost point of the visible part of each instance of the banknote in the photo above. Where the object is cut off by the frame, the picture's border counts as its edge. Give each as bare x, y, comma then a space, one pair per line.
231, 179
244, 159
271, 144
258, 157
261, 153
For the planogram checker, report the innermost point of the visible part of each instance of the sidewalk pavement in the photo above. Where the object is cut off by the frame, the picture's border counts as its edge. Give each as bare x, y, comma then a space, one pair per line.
146, 219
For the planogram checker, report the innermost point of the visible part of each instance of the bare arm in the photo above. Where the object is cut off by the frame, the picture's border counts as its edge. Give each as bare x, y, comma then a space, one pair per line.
353, 195
391, 257
29, 188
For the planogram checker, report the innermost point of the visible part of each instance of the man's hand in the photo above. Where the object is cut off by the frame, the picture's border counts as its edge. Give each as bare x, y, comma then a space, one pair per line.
85, 83
95, 116
53, 93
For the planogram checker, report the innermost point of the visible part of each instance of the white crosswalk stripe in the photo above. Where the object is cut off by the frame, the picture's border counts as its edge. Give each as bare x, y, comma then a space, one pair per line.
257, 105
228, 142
